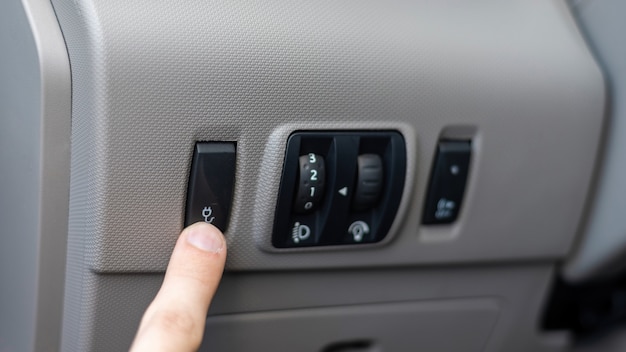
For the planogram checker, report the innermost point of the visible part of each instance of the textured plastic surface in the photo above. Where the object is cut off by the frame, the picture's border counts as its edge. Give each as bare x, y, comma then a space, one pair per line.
159, 76
602, 244
34, 175
409, 326
110, 321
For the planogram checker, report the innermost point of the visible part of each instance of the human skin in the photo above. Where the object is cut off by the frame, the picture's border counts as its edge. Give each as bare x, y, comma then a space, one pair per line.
175, 319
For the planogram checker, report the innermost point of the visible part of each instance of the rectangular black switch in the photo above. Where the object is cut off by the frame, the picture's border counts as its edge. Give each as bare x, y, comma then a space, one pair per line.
447, 182
211, 184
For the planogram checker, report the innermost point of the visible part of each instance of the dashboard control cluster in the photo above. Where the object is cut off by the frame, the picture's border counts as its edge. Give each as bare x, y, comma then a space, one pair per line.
339, 188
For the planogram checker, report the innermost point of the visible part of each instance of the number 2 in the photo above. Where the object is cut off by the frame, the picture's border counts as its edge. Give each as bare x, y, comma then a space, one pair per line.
313, 175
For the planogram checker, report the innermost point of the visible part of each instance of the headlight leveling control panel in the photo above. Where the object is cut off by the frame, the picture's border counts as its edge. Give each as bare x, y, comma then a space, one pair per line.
339, 188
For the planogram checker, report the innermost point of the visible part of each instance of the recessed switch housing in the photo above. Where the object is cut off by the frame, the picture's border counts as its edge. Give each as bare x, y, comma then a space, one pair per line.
447, 182
359, 178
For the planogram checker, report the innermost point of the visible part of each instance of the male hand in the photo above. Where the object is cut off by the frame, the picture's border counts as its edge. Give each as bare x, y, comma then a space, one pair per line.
175, 319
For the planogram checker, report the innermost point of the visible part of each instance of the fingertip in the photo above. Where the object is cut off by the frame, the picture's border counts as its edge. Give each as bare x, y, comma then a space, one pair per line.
176, 317
205, 237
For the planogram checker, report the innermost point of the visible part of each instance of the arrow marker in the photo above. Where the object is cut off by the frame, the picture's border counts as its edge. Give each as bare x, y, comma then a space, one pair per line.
344, 191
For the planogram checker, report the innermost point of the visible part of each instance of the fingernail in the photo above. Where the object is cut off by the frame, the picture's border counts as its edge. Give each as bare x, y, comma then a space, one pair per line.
205, 239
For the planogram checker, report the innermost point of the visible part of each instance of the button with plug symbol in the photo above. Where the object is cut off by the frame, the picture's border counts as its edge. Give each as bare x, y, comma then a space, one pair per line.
211, 184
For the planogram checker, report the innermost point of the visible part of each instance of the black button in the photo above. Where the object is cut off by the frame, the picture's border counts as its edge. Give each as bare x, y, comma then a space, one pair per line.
369, 181
211, 184
447, 182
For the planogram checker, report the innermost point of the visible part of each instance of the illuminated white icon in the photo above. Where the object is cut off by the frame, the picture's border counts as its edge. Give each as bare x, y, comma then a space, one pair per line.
444, 208
206, 214
358, 230
300, 232
308, 205
454, 169
344, 191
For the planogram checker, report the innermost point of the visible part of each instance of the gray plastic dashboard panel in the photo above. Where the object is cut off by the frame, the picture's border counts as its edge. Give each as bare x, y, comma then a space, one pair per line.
114, 303
404, 326
35, 114
600, 250
152, 78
